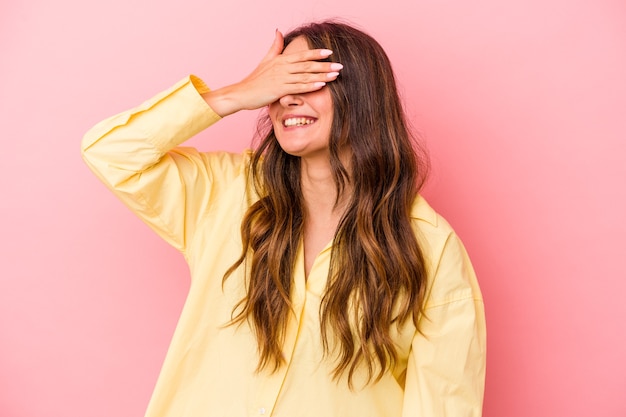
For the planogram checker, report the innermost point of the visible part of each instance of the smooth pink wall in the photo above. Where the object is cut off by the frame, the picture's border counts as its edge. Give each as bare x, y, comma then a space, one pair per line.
521, 103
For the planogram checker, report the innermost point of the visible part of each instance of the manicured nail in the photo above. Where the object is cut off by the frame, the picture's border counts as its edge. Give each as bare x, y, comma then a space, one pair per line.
336, 66
325, 52
332, 74
319, 84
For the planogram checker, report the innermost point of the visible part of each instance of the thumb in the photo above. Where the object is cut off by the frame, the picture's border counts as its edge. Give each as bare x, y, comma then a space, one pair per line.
277, 46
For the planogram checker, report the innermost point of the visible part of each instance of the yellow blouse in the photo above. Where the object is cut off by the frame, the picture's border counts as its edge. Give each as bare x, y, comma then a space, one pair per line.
196, 201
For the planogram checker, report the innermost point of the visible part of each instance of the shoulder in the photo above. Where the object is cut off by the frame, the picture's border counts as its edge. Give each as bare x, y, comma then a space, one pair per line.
450, 271
427, 222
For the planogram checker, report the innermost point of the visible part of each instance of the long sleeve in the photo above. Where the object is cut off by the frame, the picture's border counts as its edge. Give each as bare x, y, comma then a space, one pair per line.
134, 154
446, 367
195, 201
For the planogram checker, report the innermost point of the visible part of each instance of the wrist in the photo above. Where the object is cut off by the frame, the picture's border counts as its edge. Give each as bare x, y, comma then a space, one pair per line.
223, 100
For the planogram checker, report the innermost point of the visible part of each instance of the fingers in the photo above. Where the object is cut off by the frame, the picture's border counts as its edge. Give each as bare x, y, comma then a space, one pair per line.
314, 67
303, 72
308, 67
277, 46
308, 55
279, 74
309, 79
303, 88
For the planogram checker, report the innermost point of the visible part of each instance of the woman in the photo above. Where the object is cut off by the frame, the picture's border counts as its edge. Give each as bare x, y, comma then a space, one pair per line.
322, 283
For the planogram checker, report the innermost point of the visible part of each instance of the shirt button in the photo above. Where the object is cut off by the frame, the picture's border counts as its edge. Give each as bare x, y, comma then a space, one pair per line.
262, 410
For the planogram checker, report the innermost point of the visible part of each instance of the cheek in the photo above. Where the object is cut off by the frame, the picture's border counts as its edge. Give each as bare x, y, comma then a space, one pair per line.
325, 105
272, 112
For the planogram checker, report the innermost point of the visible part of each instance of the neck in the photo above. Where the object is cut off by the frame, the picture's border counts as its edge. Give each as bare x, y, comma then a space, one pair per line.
322, 209
320, 191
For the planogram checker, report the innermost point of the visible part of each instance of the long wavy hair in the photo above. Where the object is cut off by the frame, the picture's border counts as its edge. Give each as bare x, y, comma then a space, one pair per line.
376, 267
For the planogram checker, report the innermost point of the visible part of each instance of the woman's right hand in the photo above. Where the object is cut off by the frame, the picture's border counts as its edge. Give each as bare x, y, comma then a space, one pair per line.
277, 75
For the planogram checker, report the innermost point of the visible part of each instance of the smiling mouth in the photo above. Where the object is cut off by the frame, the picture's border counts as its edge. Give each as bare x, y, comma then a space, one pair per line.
298, 121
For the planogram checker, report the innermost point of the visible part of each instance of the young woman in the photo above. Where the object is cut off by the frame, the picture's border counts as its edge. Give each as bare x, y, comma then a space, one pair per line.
323, 284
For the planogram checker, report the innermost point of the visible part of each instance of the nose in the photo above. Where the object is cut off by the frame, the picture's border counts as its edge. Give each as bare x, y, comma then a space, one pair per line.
290, 100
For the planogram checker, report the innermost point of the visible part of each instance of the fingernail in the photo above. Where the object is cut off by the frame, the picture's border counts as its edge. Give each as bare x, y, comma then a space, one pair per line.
319, 84
325, 52
336, 66
332, 74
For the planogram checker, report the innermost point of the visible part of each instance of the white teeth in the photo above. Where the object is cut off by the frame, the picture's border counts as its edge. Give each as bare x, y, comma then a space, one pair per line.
298, 121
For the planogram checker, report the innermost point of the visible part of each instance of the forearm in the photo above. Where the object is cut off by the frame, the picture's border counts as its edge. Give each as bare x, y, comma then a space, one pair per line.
224, 101
132, 141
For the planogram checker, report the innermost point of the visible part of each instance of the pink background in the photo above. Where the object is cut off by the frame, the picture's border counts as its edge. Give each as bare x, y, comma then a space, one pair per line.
522, 104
